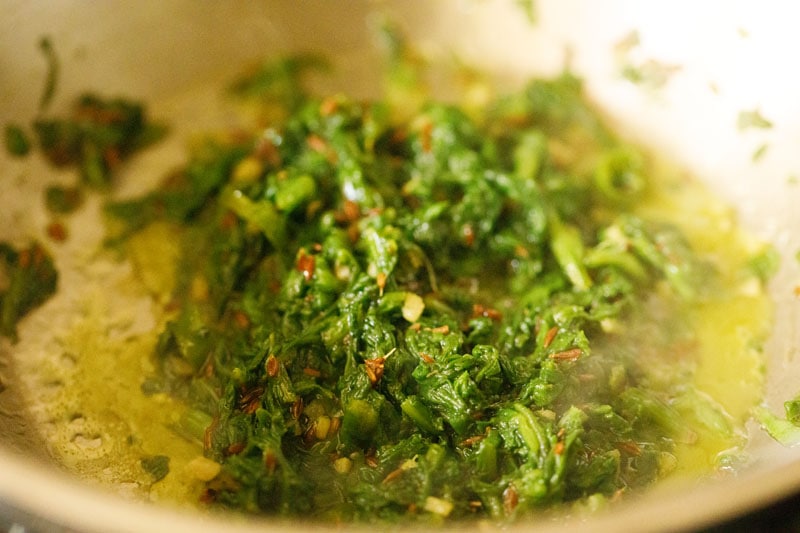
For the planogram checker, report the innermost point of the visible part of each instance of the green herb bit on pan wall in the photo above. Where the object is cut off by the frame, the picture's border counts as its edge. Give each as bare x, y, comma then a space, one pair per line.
63, 200
97, 136
426, 318
752, 119
27, 279
156, 465
785, 431
528, 7
51, 78
16, 140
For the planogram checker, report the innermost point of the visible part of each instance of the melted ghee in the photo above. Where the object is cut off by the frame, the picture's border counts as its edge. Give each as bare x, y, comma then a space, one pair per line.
728, 366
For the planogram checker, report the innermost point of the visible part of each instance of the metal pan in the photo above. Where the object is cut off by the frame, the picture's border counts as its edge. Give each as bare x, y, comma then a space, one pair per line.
719, 58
